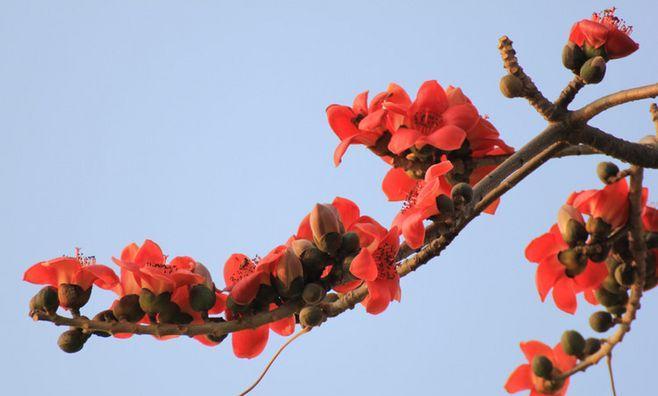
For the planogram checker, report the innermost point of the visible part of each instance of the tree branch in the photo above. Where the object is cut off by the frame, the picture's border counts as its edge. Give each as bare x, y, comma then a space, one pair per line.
569, 93
598, 106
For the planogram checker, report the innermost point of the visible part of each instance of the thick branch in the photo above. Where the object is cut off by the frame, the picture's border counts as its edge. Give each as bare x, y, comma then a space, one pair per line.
633, 153
598, 106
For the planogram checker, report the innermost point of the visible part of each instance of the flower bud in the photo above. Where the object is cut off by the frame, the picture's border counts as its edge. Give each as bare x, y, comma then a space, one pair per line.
574, 262
593, 52
601, 321
104, 316
445, 205
572, 225
598, 253
573, 343
311, 316
45, 300
511, 86
234, 306
349, 244
128, 308
201, 269
593, 70
608, 299
72, 296
625, 275
202, 298
169, 313
313, 260
245, 290
542, 366
598, 228
326, 227
266, 295
183, 318
592, 345
610, 284
72, 341
606, 171
313, 293
289, 275
462, 193
573, 57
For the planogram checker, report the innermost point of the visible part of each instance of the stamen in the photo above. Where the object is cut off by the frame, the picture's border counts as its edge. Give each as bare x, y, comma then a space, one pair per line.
608, 17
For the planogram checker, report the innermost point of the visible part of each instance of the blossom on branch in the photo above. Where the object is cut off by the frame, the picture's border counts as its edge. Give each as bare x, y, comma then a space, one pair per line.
607, 31
524, 378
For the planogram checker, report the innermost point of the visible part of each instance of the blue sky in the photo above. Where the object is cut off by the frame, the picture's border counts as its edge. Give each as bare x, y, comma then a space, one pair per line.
201, 125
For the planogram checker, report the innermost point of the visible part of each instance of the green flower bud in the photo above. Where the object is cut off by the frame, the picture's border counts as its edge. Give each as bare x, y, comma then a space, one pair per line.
329, 243
169, 313
72, 341
573, 260
72, 296
183, 318
625, 275
610, 284
592, 52
593, 70
104, 316
445, 205
606, 171
311, 316
462, 193
45, 300
542, 367
313, 293
573, 343
612, 263
592, 345
573, 57
147, 301
575, 233
313, 263
601, 321
349, 244
202, 298
598, 228
511, 86
608, 299
128, 308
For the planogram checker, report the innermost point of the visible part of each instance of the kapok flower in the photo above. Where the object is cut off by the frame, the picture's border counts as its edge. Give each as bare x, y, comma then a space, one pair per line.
609, 203
244, 278
78, 270
362, 124
650, 218
146, 267
551, 273
430, 120
420, 199
604, 30
522, 378
376, 265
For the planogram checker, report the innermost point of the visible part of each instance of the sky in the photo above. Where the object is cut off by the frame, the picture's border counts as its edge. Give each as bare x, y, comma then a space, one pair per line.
201, 125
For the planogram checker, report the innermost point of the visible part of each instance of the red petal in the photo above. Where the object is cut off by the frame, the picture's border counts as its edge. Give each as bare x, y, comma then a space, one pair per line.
104, 277
413, 230
129, 252
251, 342
540, 248
593, 276
563, 361
592, 33
430, 97
533, 348
397, 185
619, 44
340, 120
360, 105
565, 296
364, 266
464, 116
284, 327
548, 273
236, 267
149, 252
41, 275
379, 296
402, 139
447, 138
520, 379
438, 170
348, 211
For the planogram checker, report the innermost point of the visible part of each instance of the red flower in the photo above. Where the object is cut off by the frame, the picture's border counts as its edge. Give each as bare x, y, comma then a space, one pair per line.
419, 196
607, 31
524, 379
241, 274
431, 119
551, 273
610, 203
375, 264
78, 270
146, 267
359, 124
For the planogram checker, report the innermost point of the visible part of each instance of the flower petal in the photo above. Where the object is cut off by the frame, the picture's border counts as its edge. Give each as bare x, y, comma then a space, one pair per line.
250, 343
363, 266
397, 185
520, 379
447, 138
402, 139
565, 296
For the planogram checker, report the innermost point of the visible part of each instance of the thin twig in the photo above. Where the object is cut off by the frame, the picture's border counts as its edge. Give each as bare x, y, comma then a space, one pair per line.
276, 355
569, 92
610, 373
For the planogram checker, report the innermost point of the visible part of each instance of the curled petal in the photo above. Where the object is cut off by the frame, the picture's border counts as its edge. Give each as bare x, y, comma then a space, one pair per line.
250, 343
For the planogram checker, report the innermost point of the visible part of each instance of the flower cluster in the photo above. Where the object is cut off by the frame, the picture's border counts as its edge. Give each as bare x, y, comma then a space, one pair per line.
335, 247
592, 42
432, 143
